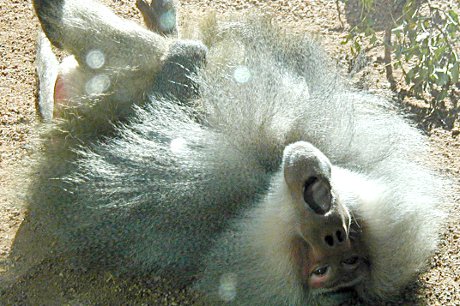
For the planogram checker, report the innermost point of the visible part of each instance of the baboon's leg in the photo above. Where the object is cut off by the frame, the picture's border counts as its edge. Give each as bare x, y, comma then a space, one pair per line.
114, 64
160, 16
184, 57
47, 70
84, 27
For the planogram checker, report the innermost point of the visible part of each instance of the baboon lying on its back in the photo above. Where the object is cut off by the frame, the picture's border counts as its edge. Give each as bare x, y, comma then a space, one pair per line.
246, 165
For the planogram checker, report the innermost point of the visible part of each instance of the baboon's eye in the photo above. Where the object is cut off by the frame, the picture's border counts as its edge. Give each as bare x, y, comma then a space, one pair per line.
321, 270
351, 261
317, 194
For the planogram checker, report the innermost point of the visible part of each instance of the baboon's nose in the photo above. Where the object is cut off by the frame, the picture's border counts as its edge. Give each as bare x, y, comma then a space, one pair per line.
336, 238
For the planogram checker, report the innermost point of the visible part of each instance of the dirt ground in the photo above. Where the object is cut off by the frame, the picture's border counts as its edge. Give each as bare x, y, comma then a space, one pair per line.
49, 284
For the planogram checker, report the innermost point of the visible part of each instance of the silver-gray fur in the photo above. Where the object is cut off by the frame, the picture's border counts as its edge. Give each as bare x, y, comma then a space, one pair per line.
146, 180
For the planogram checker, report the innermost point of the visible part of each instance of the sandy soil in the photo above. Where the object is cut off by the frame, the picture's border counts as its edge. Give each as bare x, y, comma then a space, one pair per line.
49, 284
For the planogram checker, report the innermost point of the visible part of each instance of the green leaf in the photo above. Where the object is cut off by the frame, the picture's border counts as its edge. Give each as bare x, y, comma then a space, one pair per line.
453, 16
438, 53
357, 46
440, 95
443, 79
409, 76
373, 39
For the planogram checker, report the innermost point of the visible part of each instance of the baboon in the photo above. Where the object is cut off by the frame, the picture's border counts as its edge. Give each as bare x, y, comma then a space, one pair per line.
246, 166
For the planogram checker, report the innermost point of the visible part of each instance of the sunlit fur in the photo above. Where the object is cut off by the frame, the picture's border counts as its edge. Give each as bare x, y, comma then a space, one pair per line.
118, 197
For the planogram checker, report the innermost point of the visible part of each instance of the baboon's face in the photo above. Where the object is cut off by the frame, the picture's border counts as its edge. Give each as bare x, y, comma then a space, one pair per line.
326, 248
335, 262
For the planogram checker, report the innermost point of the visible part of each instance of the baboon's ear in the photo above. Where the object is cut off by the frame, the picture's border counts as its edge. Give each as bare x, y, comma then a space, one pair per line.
49, 13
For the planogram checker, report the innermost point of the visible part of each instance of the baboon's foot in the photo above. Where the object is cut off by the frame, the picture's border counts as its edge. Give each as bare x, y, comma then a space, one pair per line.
159, 16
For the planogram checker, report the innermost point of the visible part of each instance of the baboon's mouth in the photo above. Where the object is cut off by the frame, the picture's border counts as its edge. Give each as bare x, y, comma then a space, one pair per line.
344, 285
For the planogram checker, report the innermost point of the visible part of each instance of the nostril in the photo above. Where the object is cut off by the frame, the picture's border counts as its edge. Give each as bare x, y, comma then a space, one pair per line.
329, 240
335, 238
340, 236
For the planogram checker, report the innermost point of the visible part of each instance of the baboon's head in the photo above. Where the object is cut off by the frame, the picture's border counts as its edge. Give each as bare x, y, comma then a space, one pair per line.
326, 246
